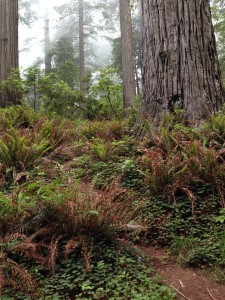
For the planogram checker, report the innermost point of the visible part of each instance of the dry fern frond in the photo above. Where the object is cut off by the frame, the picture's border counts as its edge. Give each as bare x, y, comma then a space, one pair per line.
171, 190
191, 197
70, 245
41, 233
23, 245
86, 255
21, 272
53, 253
14, 237
29, 250
221, 191
1, 282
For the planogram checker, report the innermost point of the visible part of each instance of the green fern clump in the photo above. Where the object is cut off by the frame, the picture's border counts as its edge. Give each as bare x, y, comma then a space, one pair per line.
18, 117
107, 130
26, 136
57, 131
178, 157
213, 131
20, 149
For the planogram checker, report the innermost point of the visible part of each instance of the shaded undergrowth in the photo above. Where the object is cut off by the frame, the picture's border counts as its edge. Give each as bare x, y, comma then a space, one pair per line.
61, 240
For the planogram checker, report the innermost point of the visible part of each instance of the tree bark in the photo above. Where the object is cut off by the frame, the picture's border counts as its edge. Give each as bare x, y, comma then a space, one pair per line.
48, 56
129, 90
180, 61
81, 46
9, 58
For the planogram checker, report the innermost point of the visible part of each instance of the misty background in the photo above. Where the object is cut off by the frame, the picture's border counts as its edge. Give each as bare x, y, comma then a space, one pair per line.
31, 38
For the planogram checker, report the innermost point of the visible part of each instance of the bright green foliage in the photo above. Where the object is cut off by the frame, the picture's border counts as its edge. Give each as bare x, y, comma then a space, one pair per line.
106, 95
68, 72
58, 98
179, 172
117, 272
14, 84
214, 131
18, 117
21, 150
67, 231
57, 94
31, 81
107, 130
27, 136
221, 218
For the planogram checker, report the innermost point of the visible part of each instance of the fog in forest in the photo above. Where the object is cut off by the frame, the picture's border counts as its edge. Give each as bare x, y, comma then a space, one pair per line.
31, 37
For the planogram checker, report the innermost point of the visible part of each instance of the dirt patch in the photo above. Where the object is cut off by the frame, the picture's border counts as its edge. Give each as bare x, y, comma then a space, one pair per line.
188, 281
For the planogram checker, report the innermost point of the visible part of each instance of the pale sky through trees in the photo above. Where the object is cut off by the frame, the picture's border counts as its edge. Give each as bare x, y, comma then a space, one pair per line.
37, 32
31, 51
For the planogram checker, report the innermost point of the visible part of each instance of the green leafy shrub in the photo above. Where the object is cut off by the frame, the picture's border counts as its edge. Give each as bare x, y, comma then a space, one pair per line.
13, 85
106, 96
58, 97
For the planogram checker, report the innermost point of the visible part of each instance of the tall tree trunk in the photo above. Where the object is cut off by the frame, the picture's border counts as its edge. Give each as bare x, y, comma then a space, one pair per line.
137, 79
180, 62
81, 46
8, 47
47, 46
129, 91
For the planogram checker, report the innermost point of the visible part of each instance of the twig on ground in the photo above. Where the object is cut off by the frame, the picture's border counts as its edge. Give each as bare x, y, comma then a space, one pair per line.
211, 294
181, 294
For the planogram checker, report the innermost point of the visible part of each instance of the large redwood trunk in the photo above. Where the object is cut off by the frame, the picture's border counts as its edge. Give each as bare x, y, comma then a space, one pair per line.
180, 62
8, 47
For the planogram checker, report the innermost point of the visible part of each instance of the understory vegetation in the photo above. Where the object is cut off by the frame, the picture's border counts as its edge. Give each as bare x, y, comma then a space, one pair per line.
75, 196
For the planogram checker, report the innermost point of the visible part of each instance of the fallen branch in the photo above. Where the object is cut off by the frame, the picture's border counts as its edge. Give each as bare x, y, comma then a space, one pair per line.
211, 294
180, 292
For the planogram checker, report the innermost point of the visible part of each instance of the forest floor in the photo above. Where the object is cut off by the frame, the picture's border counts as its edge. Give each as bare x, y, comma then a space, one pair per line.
79, 191
189, 283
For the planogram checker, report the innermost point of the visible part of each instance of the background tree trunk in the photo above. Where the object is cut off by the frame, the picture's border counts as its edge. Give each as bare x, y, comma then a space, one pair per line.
48, 56
81, 46
8, 47
180, 62
129, 91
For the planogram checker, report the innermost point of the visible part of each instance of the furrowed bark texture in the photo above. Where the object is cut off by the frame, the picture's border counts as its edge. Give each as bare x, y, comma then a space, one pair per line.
128, 75
8, 46
180, 62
